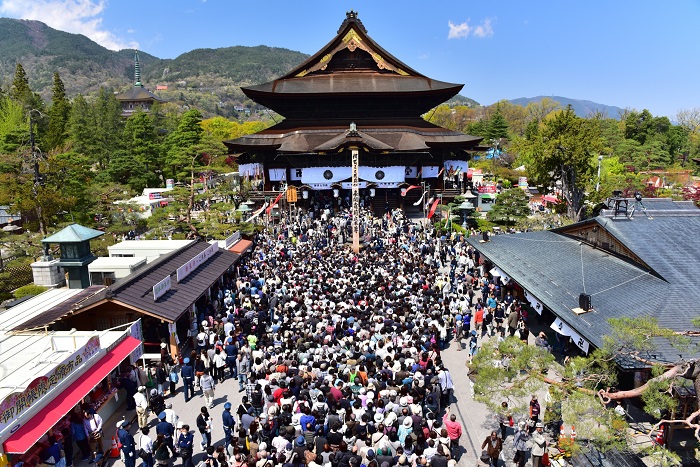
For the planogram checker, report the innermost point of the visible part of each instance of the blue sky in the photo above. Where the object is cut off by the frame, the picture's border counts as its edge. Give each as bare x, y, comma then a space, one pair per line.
637, 54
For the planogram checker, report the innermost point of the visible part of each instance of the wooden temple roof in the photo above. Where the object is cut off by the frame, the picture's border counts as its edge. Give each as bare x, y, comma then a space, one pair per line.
380, 137
352, 67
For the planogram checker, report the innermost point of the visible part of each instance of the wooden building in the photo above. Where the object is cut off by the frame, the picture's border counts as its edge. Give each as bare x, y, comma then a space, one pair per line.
137, 97
353, 94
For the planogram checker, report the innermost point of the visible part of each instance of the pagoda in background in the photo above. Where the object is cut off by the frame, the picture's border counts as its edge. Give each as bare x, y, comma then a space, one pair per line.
353, 94
138, 97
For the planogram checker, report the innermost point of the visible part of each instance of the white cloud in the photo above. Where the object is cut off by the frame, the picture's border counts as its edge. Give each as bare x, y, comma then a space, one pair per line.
484, 29
463, 30
458, 31
75, 16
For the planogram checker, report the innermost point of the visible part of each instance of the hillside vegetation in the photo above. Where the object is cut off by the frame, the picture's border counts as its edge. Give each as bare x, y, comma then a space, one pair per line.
208, 79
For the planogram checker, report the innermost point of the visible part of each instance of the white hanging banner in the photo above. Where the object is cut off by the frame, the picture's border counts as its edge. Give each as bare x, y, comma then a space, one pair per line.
430, 171
295, 174
456, 166
325, 175
256, 214
505, 278
411, 172
565, 330
277, 175
383, 175
250, 170
534, 303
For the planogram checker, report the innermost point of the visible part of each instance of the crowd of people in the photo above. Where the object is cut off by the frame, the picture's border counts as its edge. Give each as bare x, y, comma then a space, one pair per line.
337, 354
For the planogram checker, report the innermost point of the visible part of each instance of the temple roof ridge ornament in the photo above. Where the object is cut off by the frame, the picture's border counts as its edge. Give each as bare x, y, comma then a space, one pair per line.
351, 17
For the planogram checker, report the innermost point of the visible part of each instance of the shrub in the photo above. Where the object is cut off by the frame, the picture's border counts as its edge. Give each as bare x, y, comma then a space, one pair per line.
30, 289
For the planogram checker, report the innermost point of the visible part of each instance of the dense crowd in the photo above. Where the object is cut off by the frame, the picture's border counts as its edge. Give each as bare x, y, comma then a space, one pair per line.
338, 354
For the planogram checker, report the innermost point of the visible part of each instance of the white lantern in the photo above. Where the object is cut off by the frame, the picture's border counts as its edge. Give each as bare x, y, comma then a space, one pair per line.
305, 194
372, 192
336, 192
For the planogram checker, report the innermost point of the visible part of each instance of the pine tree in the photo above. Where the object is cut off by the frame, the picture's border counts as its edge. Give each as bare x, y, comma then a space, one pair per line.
58, 116
497, 127
182, 143
22, 93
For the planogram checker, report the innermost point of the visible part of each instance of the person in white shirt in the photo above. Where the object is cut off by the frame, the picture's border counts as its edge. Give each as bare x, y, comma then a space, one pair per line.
93, 428
170, 415
141, 406
146, 443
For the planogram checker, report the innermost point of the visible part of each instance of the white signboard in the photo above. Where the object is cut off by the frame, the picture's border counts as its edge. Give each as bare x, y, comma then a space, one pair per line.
161, 287
185, 270
136, 331
562, 328
348, 185
232, 240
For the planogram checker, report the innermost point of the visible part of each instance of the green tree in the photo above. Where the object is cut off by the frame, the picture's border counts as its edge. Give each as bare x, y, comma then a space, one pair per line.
81, 126
108, 126
141, 161
22, 93
576, 386
561, 150
183, 142
497, 127
14, 129
510, 206
59, 114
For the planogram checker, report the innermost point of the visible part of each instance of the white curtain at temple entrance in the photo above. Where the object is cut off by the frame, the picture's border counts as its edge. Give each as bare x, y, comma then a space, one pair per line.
430, 171
325, 175
387, 175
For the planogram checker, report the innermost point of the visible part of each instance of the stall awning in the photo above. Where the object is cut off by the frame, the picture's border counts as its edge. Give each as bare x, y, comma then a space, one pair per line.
30, 432
241, 246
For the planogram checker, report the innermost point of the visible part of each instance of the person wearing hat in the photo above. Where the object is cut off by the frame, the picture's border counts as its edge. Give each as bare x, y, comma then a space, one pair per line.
539, 445
141, 401
229, 423
187, 374
128, 445
163, 427
405, 429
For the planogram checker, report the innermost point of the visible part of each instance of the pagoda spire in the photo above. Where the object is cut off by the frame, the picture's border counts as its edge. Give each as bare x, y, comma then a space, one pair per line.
137, 70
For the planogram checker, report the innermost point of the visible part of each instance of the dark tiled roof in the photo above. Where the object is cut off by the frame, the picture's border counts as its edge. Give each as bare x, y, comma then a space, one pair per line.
353, 83
591, 457
60, 310
310, 140
136, 290
138, 93
550, 267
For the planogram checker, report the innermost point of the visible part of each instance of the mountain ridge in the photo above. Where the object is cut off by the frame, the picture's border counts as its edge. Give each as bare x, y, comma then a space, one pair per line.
582, 107
206, 78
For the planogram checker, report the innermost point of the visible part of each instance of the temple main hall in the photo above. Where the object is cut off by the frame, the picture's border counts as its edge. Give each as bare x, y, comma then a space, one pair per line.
353, 94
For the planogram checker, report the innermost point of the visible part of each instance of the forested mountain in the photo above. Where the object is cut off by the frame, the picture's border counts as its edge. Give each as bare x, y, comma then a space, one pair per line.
582, 108
208, 79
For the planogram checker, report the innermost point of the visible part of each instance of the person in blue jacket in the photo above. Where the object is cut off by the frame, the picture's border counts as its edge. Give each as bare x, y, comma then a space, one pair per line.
229, 423
187, 373
166, 429
127, 442
184, 445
